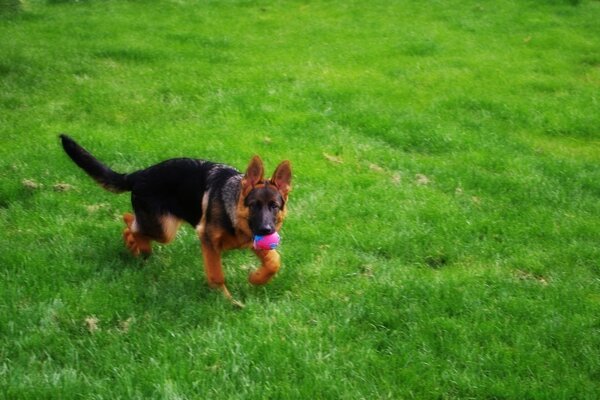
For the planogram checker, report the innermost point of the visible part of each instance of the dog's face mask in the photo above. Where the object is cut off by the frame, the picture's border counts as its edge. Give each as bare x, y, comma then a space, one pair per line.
266, 199
264, 204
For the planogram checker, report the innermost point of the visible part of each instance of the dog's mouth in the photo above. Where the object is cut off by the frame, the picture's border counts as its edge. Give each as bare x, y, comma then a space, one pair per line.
265, 231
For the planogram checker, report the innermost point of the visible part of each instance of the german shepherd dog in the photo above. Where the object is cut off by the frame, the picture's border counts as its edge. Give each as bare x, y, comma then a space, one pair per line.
226, 208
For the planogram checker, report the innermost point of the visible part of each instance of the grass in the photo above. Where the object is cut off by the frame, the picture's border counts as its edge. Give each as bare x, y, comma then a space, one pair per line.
443, 237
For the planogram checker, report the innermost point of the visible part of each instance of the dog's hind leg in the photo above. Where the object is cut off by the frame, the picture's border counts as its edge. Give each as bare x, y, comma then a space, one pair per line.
147, 224
136, 242
139, 233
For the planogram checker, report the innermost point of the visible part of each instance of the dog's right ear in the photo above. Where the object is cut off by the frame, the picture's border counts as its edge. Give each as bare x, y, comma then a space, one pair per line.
254, 174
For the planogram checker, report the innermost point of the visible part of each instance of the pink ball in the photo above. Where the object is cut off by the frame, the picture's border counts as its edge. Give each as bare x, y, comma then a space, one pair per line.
267, 242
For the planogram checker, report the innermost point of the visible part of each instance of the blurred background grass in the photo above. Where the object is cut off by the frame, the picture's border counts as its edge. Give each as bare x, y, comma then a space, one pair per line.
443, 233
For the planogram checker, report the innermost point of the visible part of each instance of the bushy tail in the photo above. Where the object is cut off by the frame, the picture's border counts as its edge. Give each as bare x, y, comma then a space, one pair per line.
105, 176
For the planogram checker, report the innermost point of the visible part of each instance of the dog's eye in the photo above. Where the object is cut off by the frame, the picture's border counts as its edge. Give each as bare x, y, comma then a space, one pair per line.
274, 206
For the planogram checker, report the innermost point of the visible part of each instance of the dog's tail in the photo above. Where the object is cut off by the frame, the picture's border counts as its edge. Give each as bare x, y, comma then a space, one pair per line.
106, 177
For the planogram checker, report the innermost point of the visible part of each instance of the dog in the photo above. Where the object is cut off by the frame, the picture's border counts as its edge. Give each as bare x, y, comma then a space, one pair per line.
226, 208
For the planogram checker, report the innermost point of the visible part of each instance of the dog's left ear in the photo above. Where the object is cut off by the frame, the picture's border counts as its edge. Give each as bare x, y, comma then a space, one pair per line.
282, 178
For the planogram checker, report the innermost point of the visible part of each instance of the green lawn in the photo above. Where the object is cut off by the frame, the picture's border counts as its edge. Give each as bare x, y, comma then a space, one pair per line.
443, 239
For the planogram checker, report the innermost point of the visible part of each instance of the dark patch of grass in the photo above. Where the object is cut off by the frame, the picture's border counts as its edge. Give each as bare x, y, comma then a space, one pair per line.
420, 48
128, 55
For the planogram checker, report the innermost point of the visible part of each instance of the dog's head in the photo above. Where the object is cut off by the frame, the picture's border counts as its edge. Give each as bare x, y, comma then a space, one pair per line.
264, 200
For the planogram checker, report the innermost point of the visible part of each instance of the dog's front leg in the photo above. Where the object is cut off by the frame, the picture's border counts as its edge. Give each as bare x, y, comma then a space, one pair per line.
270, 262
214, 270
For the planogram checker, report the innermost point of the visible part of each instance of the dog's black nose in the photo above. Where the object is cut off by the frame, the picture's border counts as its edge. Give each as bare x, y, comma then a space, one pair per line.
265, 230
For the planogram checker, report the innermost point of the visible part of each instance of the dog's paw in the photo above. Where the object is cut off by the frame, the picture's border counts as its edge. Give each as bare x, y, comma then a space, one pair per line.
237, 304
135, 243
261, 276
130, 242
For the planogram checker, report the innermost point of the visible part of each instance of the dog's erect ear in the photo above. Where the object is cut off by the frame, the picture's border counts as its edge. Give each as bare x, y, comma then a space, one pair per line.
254, 173
282, 178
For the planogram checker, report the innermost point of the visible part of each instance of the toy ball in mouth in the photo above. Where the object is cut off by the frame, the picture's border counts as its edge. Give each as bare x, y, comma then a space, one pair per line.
266, 242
